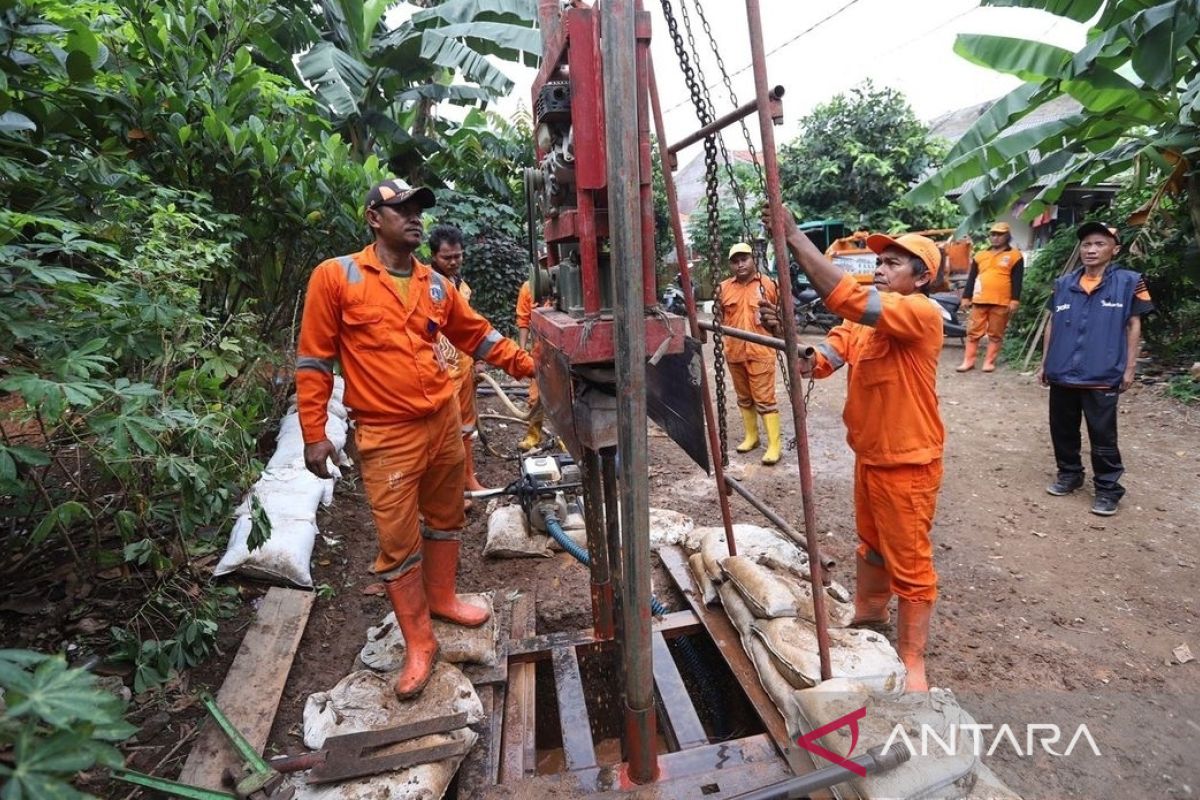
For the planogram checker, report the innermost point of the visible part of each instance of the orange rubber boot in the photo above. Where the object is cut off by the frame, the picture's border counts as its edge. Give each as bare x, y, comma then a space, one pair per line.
993, 352
913, 625
872, 593
970, 351
407, 594
440, 561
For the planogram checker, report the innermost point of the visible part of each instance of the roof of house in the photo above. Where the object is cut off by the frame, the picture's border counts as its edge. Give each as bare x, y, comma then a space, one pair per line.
689, 179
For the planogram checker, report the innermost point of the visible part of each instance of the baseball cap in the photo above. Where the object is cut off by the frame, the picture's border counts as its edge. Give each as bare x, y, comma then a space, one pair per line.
740, 247
1097, 227
1000, 227
394, 192
919, 246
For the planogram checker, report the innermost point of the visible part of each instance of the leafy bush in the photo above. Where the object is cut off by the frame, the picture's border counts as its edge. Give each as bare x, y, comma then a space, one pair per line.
495, 266
54, 723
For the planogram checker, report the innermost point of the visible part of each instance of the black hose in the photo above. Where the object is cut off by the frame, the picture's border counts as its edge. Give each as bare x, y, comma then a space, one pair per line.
683, 646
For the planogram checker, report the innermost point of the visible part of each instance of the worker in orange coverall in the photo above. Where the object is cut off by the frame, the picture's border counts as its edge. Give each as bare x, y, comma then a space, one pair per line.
533, 434
993, 293
379, 312
446, 257
751, 366
891, 340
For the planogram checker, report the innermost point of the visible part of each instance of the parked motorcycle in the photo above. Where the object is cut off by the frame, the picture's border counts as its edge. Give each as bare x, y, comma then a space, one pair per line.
950, 304
673, 299
810, 310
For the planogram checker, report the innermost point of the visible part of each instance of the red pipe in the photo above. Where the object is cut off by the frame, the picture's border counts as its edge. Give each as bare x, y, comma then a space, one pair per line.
689, 297
589, 259
782, 260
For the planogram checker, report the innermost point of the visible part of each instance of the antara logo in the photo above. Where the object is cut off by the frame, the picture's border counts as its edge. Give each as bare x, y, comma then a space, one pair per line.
1062, 307
1106, 304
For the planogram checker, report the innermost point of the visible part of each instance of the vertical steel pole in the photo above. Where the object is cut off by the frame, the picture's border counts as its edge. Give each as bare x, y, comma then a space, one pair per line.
593, 515
689, 297
783, 263
618, 45
646, 187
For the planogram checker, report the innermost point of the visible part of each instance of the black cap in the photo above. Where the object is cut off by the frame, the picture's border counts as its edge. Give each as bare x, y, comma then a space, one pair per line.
1088, 228
396, 192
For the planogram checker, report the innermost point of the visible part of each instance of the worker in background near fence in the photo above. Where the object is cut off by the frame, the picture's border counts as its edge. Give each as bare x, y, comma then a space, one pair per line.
992, 293
891, 341
751, 366
533, 434
446, 254
1089, 353
379, 312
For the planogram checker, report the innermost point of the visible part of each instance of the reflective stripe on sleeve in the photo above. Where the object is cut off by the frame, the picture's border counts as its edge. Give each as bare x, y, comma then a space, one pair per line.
874, 307
491, 340
831, 355
353, 273
312, 362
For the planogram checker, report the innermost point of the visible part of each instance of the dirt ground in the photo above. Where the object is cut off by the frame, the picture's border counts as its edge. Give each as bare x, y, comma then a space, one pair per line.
1048, 614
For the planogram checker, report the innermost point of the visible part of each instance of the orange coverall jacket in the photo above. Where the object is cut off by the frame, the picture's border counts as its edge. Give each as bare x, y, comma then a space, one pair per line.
387, 345
739, 309
891, 343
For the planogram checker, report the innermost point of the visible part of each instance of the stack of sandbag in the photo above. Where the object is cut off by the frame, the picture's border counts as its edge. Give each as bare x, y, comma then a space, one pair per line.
457, 644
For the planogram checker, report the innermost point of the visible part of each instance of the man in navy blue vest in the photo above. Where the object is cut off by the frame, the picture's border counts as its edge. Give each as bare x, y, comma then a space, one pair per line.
1088, 359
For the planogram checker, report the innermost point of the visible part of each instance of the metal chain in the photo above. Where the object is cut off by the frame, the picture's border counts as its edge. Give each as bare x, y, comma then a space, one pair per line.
704, 113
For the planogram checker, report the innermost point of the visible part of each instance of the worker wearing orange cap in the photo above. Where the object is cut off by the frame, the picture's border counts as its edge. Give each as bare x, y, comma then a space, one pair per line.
992, 293
379, 312
751, 366
890, 341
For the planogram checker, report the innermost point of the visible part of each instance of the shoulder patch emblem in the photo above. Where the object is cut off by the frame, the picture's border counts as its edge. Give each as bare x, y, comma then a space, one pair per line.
436, 292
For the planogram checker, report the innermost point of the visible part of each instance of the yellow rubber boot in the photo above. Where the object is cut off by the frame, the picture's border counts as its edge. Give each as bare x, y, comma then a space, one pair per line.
970, 351
533, 436
750, 420
993, 352
774, 439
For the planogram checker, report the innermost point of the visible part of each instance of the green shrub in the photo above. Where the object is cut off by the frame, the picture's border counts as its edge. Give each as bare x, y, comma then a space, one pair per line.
495, 266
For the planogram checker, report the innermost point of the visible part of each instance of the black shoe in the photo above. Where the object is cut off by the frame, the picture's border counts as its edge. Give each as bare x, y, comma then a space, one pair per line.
1104, 506
1064, 485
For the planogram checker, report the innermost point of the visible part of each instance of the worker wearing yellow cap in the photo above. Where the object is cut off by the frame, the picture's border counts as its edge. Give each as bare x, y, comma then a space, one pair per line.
993, 293
751, 366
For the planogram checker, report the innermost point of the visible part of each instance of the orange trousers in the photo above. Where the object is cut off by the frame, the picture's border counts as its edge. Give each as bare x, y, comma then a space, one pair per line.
893, 509
989, 319
411, 468
466, 402
754, 383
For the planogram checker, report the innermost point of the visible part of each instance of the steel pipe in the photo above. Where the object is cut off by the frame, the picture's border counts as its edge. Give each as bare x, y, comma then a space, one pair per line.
779, 522
593, 516
873, 761
619, 52
751, 336
741, 112
689, 299
799, 415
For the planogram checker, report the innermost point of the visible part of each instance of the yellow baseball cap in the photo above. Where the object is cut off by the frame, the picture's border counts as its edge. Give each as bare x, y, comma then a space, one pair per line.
1000, 227
919, 246
740, 247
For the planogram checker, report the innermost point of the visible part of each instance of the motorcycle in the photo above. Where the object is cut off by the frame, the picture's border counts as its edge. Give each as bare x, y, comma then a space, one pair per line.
950, 304
673, 299
810, 310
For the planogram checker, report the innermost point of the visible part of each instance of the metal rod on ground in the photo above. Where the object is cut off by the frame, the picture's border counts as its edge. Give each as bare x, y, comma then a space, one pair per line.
619, 56
741, 112
689, 299
779, 522
751, 336
873, 761
782, 260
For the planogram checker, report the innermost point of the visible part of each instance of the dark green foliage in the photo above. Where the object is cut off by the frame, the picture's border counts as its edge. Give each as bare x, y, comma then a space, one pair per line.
495, 266
854, 159
709, 268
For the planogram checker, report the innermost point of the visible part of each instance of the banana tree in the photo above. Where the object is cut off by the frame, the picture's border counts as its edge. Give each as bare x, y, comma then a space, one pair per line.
1138, 83
380, 86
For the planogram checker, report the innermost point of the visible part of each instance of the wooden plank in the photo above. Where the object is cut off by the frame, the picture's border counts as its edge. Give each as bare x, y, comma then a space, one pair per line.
728, 641
675, 702
474, 773
250, 694
519, 755
678, 623
578, 748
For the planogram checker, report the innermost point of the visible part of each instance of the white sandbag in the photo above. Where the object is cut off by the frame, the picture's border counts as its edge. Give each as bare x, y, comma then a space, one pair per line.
289, 495
759, 543
773, 592
457, 644
736, 609
781, 692
708, 591
856, 654
925, 775
508, 536
668, 527
365, 701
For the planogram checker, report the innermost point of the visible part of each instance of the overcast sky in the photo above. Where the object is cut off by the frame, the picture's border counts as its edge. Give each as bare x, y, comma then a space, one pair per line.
905, 44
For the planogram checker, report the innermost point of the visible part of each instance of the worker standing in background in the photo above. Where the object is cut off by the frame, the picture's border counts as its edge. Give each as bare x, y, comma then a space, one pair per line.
533, 434
1089, 356
446, 254
751, 366
992, 293
890, 341
379, 313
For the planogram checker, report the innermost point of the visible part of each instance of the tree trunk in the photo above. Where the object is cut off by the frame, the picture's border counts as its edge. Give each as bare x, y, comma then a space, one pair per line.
1193, 202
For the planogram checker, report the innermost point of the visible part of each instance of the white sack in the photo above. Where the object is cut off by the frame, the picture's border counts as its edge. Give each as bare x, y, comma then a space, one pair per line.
508, 536
857, 654
457, 644
773, 592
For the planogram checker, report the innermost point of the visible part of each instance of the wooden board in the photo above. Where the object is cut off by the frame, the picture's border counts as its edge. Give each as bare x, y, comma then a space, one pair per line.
578, 749
675, 704
250, 694
518, 757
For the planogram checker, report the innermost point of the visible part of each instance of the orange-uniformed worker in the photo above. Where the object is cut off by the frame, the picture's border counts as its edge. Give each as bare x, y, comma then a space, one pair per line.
379, 312
751, 366
446, 257
993, 293
891, 341
533, 434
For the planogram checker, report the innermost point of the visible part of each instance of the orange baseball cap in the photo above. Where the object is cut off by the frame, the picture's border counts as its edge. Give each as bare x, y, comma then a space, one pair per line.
915, 244
1000, 227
